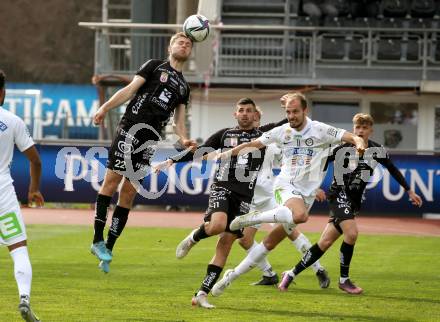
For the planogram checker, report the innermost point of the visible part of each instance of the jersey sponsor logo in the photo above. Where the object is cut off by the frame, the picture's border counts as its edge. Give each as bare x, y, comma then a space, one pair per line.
9, 226
3, 126
160, 103
332, 132
299, 160
139, 103
216, 193
165, 96
302, 151
244, 207
163, 77
129, 136
149, 152
231, 142
125, 147
242, 159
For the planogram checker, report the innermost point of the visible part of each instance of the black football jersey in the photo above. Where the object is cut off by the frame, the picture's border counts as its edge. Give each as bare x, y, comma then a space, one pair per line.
155, 101
239, 173
356, 171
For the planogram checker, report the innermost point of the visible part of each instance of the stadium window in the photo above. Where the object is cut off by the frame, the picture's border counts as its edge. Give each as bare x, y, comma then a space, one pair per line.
337, 114
395, 124
437, 129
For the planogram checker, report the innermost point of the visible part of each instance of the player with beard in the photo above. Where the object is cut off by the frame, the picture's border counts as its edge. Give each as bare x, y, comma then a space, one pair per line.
157, 92
264, 199
351, 175
230, 194
305, 146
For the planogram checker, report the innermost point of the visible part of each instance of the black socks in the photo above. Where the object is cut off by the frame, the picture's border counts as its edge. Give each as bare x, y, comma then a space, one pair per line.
311, 256
200, 233
346, 253
212, 274
101, 207
119, 219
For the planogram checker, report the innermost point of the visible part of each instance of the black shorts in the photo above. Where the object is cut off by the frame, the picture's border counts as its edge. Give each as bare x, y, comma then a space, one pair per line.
123, 157
340, 209
224, 200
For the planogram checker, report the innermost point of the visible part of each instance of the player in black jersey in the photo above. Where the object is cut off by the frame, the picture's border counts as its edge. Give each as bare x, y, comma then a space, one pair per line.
157, 92
345, 195
230, 194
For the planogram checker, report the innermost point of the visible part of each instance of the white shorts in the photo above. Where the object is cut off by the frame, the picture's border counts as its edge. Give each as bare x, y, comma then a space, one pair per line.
12, 229
284, 191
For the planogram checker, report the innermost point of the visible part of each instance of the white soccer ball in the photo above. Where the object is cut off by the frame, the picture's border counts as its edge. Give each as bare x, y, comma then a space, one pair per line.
196, 27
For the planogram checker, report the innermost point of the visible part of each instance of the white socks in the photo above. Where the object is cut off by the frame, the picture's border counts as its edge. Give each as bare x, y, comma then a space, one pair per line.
302, 244
264, 264
280, 214
22, 270
257, 253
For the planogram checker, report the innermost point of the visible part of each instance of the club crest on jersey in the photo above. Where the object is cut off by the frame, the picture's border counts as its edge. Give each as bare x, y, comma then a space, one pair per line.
125, 147
309, 142
3, 126
163, 77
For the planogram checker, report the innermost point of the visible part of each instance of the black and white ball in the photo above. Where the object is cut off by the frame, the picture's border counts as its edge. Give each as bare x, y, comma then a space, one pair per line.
196, 27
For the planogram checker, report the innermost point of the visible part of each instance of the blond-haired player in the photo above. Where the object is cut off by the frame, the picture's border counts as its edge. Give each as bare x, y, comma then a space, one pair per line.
350, 178
157, 92
264, 199
305, 146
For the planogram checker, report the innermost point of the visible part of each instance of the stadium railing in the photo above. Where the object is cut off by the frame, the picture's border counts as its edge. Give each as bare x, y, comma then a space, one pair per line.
280, 55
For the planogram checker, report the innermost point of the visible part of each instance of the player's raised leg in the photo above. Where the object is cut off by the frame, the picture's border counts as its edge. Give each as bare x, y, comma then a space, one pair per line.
293, 212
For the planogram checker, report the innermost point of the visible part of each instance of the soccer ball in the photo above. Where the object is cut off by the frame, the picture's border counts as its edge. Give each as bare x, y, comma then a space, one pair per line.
196, 27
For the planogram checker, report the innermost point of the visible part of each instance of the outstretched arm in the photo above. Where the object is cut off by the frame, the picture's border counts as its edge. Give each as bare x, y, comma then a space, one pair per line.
357, 141
397, 175
206, 151
119, 98
257, 144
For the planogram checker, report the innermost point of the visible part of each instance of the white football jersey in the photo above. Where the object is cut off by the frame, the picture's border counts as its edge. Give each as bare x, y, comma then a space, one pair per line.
304, 153
12, 131
264, 189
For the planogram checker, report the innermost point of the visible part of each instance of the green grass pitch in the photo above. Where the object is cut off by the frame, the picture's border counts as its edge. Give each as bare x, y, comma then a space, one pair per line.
399, 274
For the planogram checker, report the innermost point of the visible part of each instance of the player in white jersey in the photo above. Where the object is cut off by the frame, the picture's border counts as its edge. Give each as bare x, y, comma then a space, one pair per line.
263, 200
305, 146
12, 229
